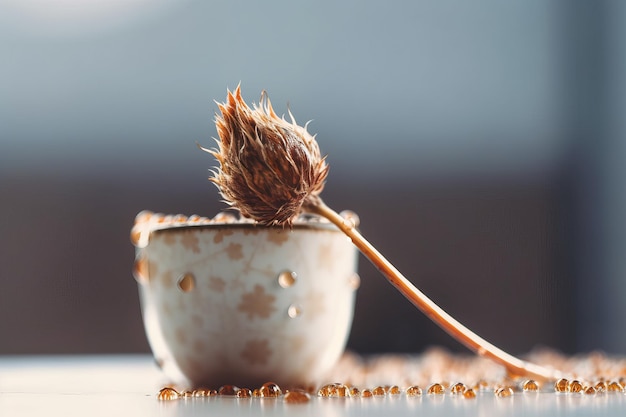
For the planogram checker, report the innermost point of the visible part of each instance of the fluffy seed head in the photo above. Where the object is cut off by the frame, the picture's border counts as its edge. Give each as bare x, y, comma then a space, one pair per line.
269, 167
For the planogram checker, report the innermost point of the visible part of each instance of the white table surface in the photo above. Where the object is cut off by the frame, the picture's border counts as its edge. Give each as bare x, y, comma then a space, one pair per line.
127, 385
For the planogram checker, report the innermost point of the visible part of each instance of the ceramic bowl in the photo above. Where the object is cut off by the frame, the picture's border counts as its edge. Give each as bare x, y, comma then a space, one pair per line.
230, 302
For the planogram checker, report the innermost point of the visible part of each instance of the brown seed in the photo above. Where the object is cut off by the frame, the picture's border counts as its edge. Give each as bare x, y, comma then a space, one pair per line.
436, 389
270, 390
296, 397
575, 386
244, 393
561, 385
458, 388
530, 385
366, 393
469, 393
590, 390
504, 392
228, 390
167, 394
413, 391
379, 391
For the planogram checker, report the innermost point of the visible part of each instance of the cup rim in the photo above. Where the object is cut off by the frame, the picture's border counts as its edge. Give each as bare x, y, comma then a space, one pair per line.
169, 228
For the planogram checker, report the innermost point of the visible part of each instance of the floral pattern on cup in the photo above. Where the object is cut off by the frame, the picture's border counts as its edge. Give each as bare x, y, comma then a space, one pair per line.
243, 304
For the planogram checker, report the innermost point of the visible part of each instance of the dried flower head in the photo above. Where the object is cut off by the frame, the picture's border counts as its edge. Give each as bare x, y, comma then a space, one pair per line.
269, 167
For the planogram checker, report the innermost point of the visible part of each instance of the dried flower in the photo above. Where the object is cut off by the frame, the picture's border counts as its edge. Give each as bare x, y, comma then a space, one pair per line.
269, 167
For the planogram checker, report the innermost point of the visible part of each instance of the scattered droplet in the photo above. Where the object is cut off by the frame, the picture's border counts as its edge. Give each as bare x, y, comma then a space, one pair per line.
167, 394
334, 390
230, 390
601, 386
287, 278
350, 218
354, 281
141, 270
458, 388
202, 392
590, 391
186, 394
342, 390
561, 385
194, 218
244, 393
187, 282
270, 390
296, 397
575, 386
469, 393
530, 385
394, 390
294, 311
504, 392
354, 392
379, 391
366, 393
615, 386
436, 389
256, 392
413, 391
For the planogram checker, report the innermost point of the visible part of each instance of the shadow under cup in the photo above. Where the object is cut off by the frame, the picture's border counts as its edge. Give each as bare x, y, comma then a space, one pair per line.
242, 304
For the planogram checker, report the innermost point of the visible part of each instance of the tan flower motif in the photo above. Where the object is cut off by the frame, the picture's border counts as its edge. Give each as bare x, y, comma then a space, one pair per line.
326, 257
234, 251
167, 279
314, 304
217, 284
297, 342
256, 351
181, 336
190, 241
257, 303
278, 237
221, 233
169, 239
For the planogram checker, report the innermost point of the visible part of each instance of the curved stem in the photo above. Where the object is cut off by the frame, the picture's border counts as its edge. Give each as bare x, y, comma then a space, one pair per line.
458, 331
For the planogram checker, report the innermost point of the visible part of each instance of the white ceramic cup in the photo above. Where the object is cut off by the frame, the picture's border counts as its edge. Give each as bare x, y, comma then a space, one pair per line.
242, 304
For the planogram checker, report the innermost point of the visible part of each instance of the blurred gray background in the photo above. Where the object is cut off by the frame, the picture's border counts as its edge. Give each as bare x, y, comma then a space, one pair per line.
482, 144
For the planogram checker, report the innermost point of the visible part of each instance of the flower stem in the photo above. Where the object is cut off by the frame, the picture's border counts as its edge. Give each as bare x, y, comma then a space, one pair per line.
513, 365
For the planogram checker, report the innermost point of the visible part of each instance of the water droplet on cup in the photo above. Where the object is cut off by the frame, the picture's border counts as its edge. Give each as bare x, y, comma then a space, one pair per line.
294, 311
354, 281
350, 218
187, 282
287, 278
